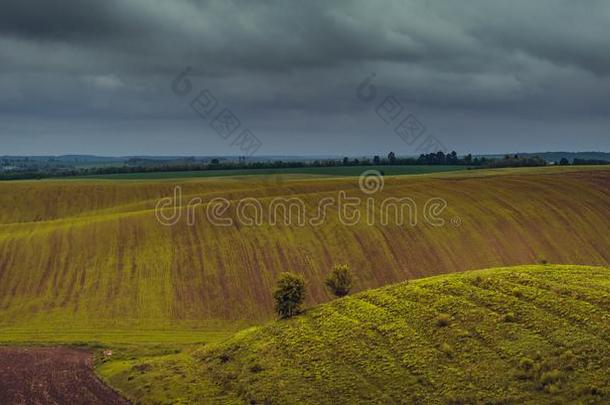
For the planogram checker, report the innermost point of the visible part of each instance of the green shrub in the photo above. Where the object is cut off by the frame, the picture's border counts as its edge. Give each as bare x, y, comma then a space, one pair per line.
289, 294
447, 349
509, 317
526, 364
443, 320
551, 388
517, 292
592, 390
568, 360
256, 368
339, 281
550, 377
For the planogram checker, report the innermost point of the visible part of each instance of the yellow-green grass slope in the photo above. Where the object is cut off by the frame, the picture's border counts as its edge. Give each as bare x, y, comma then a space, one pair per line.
528, 334
88, 258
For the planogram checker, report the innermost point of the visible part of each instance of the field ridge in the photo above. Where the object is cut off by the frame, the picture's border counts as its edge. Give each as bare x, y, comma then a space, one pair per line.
508, 335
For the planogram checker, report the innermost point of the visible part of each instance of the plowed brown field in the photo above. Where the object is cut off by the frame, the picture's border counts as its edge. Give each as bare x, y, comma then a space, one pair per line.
48, 375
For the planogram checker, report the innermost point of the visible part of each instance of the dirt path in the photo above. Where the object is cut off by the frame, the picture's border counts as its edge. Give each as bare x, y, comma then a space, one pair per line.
51, 375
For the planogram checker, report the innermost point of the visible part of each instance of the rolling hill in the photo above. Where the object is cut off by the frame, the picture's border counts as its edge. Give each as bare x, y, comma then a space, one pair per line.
81, 257
530, 334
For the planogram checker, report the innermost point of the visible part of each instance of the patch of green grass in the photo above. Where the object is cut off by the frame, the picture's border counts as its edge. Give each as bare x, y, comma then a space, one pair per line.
386, 346
42, 335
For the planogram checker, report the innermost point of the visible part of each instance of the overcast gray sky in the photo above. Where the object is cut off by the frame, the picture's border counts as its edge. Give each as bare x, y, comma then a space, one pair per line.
481, 76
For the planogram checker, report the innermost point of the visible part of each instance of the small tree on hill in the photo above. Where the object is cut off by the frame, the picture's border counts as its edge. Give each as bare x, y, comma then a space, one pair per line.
289, 294
339, 281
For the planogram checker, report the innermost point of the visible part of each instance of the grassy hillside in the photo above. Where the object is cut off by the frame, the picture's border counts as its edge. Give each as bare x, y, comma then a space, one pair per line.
88, 257
536, 334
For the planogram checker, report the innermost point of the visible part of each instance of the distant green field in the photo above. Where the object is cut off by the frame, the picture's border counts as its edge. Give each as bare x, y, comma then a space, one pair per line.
528, 334
325, 171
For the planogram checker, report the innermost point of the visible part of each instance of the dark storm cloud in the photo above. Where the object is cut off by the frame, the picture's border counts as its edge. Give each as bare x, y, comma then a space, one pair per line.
62, 20
290, 69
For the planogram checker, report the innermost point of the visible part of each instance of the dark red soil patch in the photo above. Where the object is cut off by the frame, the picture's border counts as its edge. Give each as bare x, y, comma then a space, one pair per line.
51, 375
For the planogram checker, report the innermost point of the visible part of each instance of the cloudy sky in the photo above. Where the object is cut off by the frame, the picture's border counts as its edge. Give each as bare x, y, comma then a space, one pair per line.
100, 77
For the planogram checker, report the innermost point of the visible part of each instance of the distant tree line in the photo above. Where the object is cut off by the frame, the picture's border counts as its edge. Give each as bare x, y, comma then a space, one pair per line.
437, 158
589, 162
581, 162
139, 165
515, 161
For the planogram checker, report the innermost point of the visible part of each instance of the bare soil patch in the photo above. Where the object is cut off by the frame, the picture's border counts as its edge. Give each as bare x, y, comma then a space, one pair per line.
51, 375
